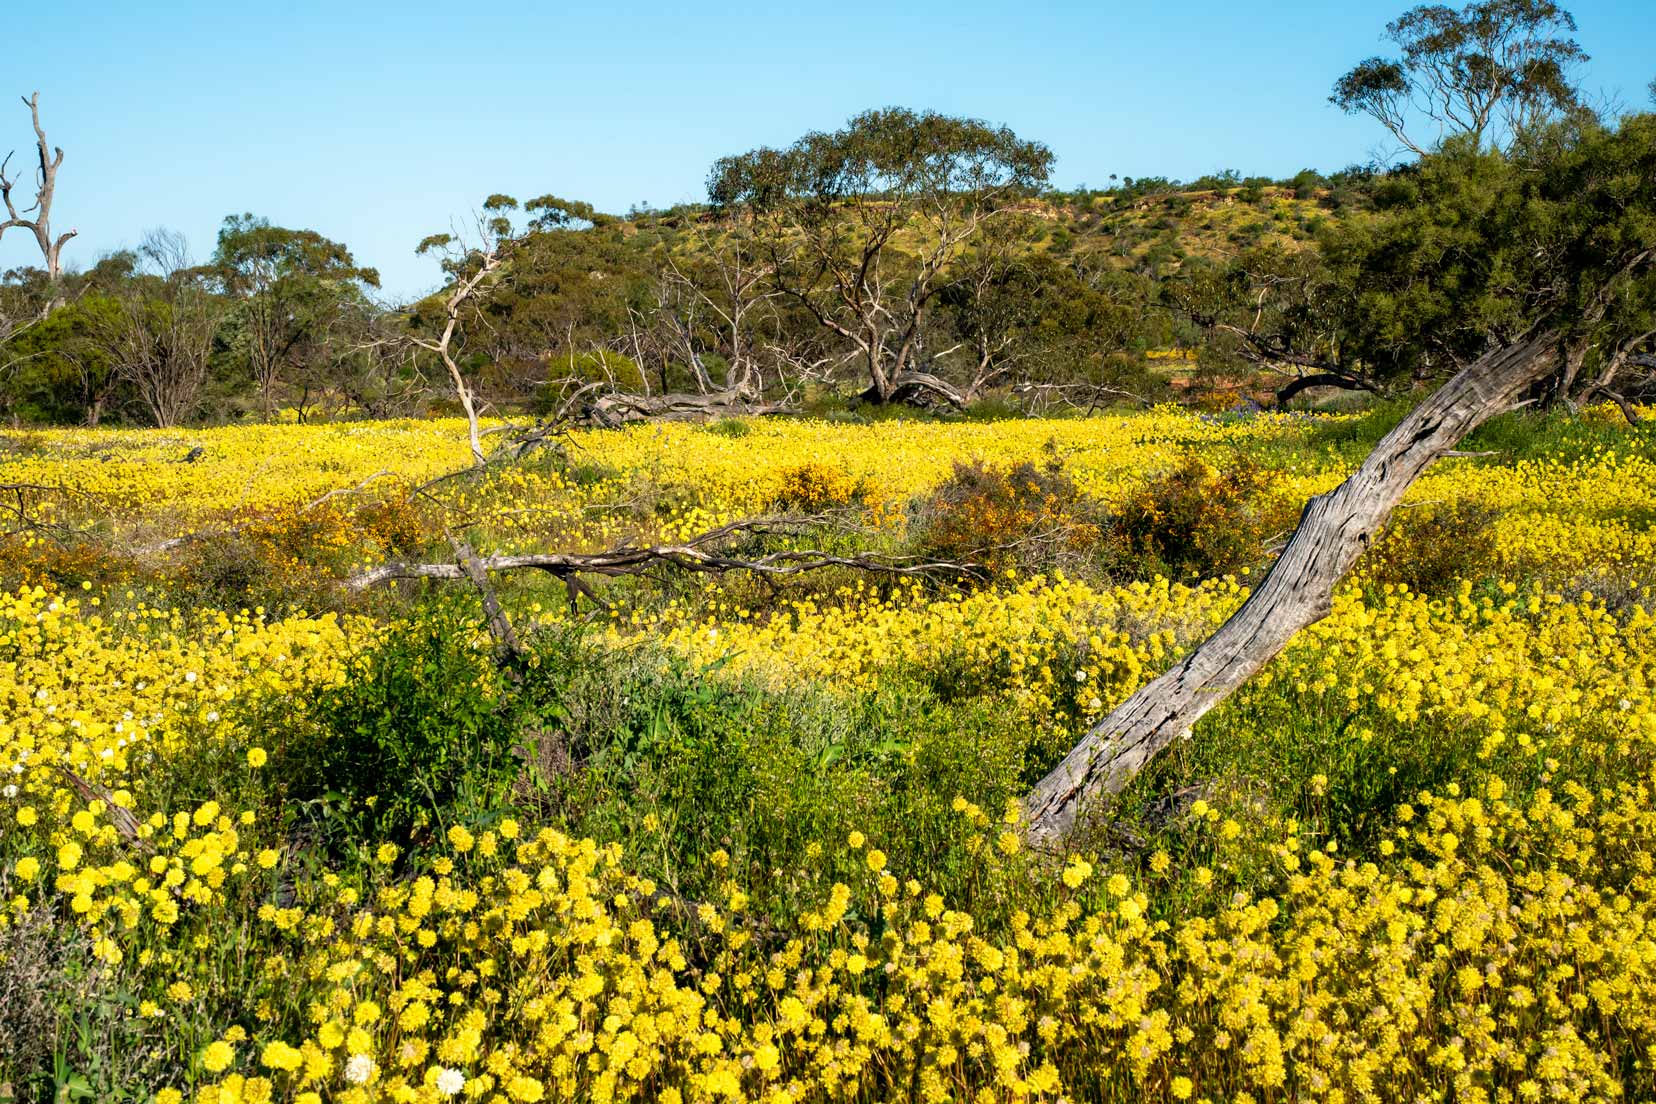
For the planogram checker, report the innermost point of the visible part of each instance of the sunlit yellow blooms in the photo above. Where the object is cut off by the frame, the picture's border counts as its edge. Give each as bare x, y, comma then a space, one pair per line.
1491, 941
218, 1056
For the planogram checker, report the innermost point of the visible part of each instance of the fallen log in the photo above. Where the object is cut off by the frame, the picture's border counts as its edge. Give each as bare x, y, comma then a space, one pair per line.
1334, 530
704, 553
612, 410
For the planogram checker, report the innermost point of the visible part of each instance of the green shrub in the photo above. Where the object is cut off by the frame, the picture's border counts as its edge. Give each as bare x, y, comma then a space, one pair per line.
729, 427
418, 734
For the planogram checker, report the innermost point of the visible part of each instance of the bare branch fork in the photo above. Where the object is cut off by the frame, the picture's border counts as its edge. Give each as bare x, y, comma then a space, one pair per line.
19, 509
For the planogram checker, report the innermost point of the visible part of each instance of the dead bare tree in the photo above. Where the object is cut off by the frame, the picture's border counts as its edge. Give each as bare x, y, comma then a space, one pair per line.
730, 283
49, 159
160, 338
473, 268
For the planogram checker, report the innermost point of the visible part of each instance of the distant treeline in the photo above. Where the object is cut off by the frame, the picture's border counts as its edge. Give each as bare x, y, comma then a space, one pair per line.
911, 257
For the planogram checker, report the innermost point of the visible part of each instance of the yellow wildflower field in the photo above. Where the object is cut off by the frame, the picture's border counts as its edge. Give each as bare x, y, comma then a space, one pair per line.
1415, 858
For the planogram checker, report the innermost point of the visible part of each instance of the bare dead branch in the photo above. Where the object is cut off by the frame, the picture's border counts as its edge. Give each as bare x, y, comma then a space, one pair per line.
705, 553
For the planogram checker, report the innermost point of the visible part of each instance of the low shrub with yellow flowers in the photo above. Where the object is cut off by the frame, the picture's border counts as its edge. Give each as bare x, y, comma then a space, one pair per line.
761, 848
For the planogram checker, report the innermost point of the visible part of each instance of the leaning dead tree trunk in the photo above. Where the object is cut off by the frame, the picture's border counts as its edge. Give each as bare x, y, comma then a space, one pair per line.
1335, 529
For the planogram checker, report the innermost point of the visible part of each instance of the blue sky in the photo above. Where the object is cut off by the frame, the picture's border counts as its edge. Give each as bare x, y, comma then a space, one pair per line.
377, 123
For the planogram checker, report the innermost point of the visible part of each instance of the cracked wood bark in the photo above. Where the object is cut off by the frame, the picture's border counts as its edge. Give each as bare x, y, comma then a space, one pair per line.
1334, 530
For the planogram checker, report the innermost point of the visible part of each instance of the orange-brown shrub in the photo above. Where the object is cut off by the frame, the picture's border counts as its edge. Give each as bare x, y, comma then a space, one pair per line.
1198, 520
1029, 517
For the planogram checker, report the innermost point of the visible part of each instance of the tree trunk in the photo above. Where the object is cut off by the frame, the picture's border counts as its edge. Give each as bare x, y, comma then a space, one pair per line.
1335, 529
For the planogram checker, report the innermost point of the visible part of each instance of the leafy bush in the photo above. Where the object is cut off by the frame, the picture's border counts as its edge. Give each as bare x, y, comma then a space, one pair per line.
729, 427
814, 486
418, 731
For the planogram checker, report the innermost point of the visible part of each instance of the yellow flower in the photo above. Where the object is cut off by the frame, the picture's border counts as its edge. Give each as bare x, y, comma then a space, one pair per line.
279, 1055
460, 839
218, 1056
876, 860
256, 757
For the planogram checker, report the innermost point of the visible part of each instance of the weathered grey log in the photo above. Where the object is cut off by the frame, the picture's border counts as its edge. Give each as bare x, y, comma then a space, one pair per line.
704, 553
609, 411
1334, 530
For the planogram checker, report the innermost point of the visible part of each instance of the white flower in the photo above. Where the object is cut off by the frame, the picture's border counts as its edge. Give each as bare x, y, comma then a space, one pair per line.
189, 676
450, 1082
10, 791
359, 1069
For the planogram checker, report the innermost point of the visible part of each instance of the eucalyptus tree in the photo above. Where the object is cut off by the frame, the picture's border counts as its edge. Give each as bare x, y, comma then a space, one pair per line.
1493, 69
473, 266
289, 288
862, 227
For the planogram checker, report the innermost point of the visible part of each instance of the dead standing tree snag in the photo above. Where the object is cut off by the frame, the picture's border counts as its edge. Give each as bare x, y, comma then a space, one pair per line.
49, 159
473, 269
1335, 529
